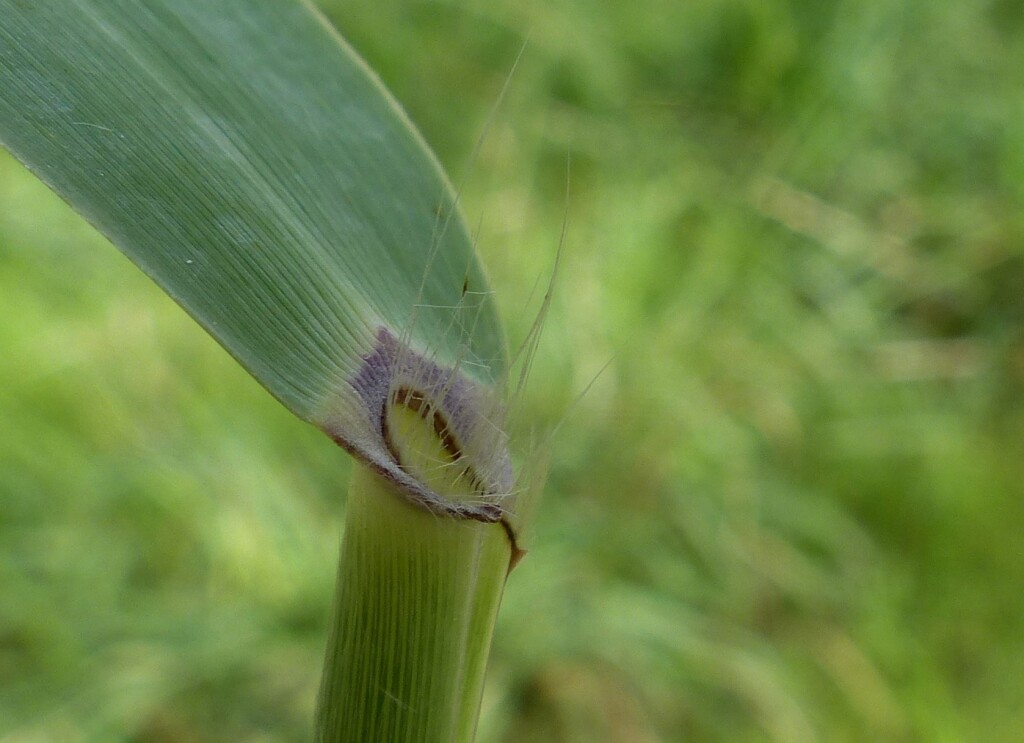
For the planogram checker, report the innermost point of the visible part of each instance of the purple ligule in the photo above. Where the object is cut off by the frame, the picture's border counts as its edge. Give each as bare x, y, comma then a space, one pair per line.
468, 410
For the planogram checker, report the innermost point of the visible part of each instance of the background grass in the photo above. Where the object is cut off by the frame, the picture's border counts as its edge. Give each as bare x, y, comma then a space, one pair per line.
789, 510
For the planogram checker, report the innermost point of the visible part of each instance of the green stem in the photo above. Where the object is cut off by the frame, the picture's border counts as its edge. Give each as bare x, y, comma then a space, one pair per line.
417, 596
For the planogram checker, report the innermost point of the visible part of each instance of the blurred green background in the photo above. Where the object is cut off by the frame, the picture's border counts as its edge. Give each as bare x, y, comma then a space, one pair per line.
790, 509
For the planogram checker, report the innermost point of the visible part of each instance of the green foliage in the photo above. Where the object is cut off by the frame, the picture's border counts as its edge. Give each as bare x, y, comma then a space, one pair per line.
787, 511
248, 162
245, 159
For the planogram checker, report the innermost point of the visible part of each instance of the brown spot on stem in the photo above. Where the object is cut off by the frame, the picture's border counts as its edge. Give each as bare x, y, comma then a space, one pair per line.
517, 554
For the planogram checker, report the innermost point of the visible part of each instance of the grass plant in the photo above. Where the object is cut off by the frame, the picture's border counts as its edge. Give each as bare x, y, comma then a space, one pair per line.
255, 168
788, 511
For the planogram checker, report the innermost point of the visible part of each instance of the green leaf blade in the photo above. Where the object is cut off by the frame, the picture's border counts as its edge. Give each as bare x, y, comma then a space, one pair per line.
314, 213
